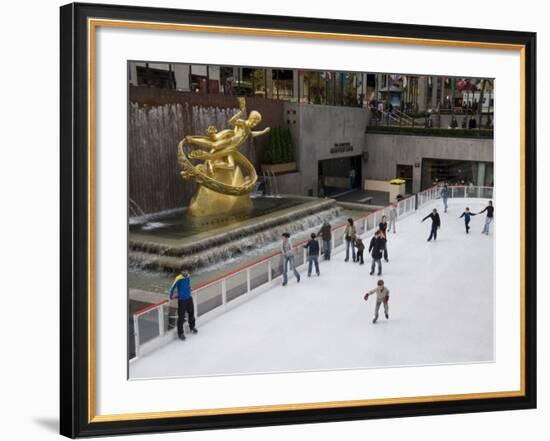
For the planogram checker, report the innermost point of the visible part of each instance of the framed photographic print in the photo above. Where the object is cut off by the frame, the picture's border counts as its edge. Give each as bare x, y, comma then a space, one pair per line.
276, 220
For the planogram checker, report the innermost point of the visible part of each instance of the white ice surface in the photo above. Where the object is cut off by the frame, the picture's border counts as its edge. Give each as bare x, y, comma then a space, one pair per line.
441, 311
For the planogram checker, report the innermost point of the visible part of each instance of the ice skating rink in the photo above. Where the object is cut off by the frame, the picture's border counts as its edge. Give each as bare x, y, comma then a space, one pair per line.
441, 311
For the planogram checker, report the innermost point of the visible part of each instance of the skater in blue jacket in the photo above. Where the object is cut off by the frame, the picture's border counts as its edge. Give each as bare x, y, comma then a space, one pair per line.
467, 215
182, 285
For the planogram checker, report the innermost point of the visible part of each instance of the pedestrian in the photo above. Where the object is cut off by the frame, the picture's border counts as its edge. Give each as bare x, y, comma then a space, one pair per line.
348, 233
288, 258
445, 196
490, 209
326, 235
182, 284
382, 298
352, 175
383, 227
360, 248
393, 218
376, 249
436, 223
312, 247
467, 215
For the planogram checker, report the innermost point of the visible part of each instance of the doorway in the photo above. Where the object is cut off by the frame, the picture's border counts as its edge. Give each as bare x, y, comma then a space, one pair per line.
339, 174
406, 172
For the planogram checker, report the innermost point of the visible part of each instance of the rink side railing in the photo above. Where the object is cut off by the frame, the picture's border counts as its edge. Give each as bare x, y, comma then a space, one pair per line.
154, 325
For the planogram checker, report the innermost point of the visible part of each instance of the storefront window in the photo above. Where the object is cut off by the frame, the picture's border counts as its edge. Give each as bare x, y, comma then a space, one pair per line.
452, 172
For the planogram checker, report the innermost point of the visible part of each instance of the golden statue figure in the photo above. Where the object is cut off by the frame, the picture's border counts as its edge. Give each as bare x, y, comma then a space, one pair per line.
221, 185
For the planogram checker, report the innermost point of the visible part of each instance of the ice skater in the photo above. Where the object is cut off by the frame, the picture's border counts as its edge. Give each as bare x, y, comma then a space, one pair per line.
436, 223
393, 218
490, 209
467, 215
348, 234
288, 258
182, 284
312, 247
376, 249
445, 196
360, 248
383, 227
382, 297
326, 235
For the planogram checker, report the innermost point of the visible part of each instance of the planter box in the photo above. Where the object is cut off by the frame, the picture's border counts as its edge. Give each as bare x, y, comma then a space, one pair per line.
285, 167
392, 189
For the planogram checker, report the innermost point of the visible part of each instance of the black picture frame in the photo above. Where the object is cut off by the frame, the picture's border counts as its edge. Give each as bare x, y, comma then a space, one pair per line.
77, 419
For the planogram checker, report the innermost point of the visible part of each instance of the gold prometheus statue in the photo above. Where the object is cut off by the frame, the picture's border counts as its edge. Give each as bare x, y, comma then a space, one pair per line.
221, 185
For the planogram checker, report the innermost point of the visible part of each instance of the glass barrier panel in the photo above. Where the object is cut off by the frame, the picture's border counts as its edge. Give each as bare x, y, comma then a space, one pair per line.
276, 266
148, 324
258, 275
370, 222
172, 314
131, 337
235, 285
166, 316
298, 256
338, 237
458, 192
486, 193
208, 298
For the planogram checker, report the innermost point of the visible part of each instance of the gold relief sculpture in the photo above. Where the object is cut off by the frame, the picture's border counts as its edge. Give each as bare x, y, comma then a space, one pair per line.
222, 187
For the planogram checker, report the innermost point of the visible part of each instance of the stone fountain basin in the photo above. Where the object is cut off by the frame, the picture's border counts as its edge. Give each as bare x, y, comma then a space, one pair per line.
155, 249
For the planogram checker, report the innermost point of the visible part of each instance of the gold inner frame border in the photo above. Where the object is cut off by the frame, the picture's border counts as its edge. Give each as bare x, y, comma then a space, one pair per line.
261, 32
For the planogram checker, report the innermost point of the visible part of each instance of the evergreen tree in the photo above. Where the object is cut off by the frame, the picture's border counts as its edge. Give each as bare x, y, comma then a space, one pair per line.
268, 152
277, 146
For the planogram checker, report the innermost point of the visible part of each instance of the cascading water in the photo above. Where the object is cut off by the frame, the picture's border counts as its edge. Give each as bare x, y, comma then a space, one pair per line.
258, 238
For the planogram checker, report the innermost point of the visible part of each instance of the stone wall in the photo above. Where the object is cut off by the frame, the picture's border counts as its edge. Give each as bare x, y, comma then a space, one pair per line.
386, 151
317, 130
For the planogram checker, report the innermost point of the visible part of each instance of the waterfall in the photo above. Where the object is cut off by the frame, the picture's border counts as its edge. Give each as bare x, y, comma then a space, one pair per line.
261, 238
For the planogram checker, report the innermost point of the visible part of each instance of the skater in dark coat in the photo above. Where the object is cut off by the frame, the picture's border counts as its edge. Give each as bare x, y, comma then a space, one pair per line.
467, 215
376, 250
490, 209
383, 227
312, 247
436, 223
360, 248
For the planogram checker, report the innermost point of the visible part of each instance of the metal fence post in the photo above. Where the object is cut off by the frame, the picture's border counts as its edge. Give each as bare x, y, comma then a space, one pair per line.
248, 280
269, 270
